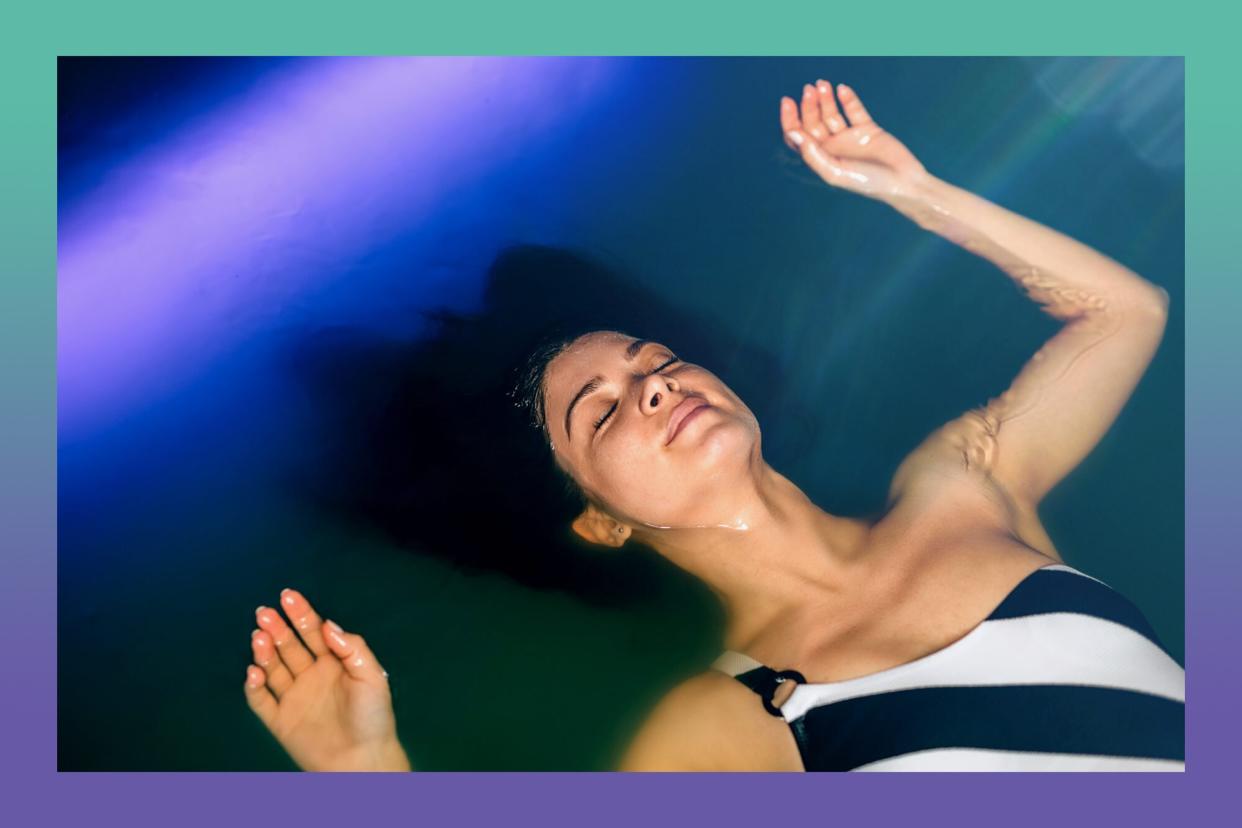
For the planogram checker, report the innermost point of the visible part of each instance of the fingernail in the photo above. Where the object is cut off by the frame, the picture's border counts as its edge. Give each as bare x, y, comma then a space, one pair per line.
823, 87
253, 633
253, 677
332, 625
796, 137
287, 597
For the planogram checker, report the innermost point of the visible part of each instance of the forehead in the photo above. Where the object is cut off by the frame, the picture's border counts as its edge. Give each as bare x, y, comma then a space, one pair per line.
583, 359
592, 346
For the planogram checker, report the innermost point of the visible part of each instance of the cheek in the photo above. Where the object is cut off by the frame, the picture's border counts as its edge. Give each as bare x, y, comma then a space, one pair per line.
625, 457
629, 475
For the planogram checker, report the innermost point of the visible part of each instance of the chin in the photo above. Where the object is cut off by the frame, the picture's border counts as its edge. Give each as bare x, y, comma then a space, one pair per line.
726, 447
718, 461
722, 463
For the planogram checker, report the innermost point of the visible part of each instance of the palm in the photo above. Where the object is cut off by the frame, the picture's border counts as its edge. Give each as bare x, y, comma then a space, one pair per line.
327, 713
858, 154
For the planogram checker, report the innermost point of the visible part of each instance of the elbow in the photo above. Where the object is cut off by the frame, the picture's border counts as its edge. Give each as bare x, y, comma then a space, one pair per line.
1149, 300
1161, 300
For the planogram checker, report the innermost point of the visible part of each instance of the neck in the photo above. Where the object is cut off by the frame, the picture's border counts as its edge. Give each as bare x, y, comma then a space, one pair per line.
790, 554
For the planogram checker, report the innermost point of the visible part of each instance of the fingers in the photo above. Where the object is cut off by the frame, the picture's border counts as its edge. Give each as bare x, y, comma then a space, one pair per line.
856, 143
304, 619
834, 121
820, 118
789, 120
354, 653
812, 123
279, 679
826, 165
816, 157
854, 109
295, 656
261, 701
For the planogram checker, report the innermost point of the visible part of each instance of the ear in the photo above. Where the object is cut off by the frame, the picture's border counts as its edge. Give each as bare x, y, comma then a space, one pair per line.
595, 526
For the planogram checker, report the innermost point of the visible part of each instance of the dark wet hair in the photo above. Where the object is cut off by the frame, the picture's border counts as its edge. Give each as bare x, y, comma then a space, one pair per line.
529, 392
414, 434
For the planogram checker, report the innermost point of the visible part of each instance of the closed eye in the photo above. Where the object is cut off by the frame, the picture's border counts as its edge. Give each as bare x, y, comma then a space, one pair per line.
600, 422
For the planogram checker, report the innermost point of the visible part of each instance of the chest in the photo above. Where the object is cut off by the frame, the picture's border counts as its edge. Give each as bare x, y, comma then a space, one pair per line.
942, 559
933, 571
950, 599
930, 604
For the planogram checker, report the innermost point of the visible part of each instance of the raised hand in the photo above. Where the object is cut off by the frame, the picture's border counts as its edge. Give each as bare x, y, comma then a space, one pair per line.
854, 154
321, 691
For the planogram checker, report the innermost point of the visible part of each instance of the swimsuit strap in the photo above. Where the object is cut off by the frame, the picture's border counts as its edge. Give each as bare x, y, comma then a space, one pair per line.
757, 676
764, 680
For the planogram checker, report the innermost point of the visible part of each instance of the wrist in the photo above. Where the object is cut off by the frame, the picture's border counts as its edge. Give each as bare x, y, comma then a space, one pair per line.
916, 194
387, 756
938, 207
391, 757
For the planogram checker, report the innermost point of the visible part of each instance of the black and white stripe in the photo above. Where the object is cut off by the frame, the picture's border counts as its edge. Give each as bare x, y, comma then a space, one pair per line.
1065, 674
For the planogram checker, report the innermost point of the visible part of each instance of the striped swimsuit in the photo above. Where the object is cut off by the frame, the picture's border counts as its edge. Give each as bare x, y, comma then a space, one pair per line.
1064, 675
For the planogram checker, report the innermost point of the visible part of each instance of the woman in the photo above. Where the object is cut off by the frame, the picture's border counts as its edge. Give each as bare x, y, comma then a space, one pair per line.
944, 634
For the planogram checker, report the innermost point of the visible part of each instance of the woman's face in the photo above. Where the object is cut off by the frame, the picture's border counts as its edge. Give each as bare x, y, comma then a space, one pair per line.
654, 440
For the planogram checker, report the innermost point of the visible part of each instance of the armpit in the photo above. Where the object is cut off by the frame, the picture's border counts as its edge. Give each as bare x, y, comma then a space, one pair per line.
955, 462
974, 437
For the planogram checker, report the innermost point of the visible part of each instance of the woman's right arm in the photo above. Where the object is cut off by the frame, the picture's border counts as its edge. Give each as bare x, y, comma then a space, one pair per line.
325, 698
711, 722
670, 737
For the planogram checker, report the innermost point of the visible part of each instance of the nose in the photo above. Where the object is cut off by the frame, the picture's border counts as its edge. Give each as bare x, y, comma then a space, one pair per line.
655, 394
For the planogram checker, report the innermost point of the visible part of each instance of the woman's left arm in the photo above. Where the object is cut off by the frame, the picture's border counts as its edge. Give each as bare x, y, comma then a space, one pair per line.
1071, 390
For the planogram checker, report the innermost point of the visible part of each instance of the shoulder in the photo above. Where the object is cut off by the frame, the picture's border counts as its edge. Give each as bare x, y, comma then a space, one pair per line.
710, 722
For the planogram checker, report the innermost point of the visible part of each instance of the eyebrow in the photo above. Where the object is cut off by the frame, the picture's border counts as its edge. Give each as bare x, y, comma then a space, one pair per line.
593, 384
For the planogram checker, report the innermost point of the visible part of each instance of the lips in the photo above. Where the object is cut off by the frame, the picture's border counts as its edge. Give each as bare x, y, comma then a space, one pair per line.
683, 410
